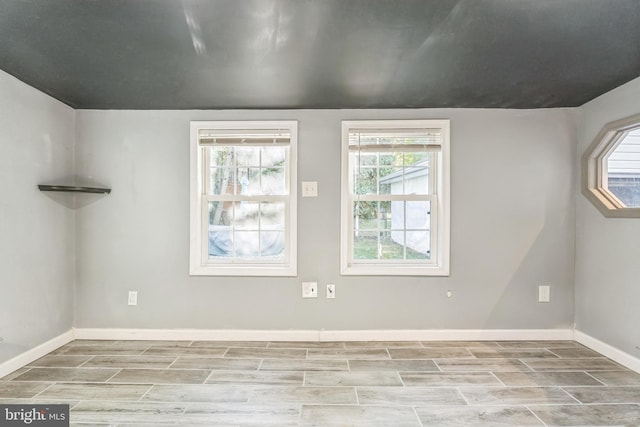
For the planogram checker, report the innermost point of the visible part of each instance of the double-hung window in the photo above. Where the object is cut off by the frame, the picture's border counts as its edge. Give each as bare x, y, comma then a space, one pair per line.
395, 197
243, 198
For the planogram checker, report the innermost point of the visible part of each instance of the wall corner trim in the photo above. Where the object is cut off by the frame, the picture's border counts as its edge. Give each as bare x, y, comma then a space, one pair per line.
35, 353
625, 359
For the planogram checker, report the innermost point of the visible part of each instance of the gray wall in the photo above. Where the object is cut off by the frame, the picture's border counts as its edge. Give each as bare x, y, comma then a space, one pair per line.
607, 249
36, 233
513, 187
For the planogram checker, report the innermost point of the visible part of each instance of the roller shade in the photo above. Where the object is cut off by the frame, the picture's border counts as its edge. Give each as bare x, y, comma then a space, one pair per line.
250, 137
396, 139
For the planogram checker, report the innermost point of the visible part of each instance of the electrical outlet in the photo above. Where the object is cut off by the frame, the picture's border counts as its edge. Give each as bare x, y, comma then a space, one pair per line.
544, 293
449, 294
309, 289
331, 291
133, 297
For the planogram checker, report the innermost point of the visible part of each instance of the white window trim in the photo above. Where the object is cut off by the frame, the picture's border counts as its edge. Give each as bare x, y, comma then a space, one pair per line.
200, 267
594, 169
440, 264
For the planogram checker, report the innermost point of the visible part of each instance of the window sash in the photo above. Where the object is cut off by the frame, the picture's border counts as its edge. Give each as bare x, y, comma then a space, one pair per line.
255, 261
433, 235
206, 198
437, 194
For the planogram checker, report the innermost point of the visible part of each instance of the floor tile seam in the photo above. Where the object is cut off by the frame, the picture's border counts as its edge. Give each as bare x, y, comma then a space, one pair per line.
43, 390
156, 369
156, 383
572, 396
208, 376
585, 404
536, 415
498, 378
526, 365
600, 381
464, 398
400, 378
66, 380
415, 412
86, 361
499, 405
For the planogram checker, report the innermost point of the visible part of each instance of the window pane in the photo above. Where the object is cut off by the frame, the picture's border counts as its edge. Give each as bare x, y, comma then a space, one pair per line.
273, 157
416, 173
418, 215
365, 245
272, 216
418, 245
391, 159
272, 244
395, 215
221, 181
365, 215
273, 181
248, 181
247, 244
221, 156
220, 240
623, 167
247, 156
366, 180
366, 159
390, 180
246, 215
392, 245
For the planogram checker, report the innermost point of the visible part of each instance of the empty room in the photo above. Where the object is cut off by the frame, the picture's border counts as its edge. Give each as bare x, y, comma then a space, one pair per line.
320, 212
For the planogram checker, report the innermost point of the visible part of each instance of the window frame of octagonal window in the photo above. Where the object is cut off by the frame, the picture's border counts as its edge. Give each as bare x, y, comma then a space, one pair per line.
594, 168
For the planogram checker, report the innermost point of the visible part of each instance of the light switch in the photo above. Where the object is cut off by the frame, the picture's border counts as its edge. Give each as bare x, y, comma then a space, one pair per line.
309, 188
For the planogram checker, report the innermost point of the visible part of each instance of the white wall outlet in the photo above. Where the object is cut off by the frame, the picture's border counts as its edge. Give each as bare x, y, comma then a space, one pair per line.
133, 297
309, 188
331, 291
309, 289
544, 293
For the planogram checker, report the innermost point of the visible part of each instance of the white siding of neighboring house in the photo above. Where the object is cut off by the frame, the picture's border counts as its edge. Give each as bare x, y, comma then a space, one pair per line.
625, 159
417, 216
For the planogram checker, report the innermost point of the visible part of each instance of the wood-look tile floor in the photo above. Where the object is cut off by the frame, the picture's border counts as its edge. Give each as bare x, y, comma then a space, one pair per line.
533, 383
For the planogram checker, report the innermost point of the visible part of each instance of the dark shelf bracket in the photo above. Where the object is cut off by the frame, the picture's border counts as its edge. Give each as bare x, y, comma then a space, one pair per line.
74, 189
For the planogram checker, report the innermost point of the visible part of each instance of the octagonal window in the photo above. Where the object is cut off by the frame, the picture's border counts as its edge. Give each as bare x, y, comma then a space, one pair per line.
611, 169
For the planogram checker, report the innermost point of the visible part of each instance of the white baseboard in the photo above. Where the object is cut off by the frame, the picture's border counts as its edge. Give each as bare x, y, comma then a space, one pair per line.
314, 335
35, 353
613, 353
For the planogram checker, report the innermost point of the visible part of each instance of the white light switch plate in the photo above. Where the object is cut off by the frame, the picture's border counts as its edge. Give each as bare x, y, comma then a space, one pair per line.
544, 293
309, 188
133, 298
331, 291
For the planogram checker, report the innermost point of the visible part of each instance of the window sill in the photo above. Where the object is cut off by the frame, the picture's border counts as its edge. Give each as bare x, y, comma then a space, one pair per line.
394, 270
243, 270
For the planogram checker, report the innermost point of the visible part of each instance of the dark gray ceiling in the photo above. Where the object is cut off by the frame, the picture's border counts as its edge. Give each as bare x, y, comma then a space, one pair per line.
215, 54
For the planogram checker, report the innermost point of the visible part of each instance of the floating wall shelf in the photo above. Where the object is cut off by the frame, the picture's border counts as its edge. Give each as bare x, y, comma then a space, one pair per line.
74, 189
